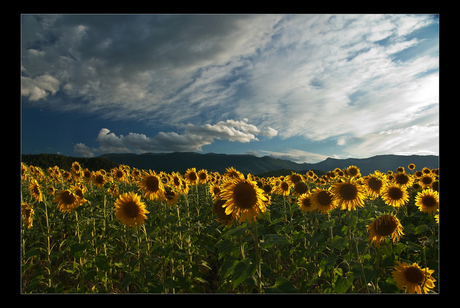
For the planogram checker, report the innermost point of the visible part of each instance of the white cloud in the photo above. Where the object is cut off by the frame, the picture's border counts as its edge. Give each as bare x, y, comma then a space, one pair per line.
298, 156
192, 139
316, 76
82, 150
39, 87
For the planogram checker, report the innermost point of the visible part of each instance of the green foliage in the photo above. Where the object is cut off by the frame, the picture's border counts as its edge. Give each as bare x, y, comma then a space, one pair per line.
182, 248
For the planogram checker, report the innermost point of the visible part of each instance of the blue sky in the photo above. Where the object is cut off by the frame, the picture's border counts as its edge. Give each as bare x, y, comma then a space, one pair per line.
299, 87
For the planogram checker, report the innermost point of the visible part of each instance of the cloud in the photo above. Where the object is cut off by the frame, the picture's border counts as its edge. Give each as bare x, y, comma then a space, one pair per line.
298, 156
82, 150
411, 140
316, 76
39, 87
192, 139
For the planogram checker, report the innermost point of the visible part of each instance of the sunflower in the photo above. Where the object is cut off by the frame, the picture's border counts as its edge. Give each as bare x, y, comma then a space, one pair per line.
215, 190
130, 210
411, 166
353, 171
300, 188
99, 179
349, 195
374, 184
217, 208
427, 201
283, 188
402, 179
67, 201
28, 212
170, 195
306, 204
151, 185
412, 278
35, 190
119, 174
76, 168
426, 180
394, 195
202, 176
323, 200
385, 225
233, 173
191, 176
244, 199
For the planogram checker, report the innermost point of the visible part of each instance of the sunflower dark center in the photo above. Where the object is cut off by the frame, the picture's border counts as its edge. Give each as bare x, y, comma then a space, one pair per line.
99, 179
300, 188
267, 188
395, 193
402, 179
284, 186
152, 183
119, 174
414, 275
192, 176
306, 202
244, 195
385, 227
324, 198
427, 180
68, 198
428, 201
220, 210
375, 184
295, 178
352, 171
131, 209
348, 192
203, 176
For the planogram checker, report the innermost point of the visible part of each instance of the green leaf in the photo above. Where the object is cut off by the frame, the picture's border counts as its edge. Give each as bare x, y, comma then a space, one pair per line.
276, 239
282, 285
409, 228
102, 263
370, 274
235, 231
338, 242
421, 229
77, 249
243, 270
344, 283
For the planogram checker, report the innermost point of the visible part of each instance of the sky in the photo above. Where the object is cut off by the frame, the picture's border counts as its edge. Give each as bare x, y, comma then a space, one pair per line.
298, 87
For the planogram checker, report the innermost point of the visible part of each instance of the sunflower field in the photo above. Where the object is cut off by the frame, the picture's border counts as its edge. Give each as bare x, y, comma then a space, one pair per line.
139, 231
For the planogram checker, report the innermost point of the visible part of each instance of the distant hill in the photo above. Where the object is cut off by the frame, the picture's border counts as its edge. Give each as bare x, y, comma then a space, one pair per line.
181, 161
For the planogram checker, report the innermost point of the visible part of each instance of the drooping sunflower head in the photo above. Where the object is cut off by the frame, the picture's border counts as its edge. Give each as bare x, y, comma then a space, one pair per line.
323, 199
413, 278
427, 201
385, 225
218, 209
395, 196
28, 213
349, 195
232, 173
35, 191
243, 199
130, 210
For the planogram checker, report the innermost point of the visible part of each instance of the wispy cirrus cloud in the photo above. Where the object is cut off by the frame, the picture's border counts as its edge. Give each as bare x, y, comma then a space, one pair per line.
316, 76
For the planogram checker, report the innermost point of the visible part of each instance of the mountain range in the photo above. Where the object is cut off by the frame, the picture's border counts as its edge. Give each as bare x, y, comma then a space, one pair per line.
181, 161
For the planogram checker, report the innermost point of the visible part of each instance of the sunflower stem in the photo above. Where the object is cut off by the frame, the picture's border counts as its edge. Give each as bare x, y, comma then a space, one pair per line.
259, 272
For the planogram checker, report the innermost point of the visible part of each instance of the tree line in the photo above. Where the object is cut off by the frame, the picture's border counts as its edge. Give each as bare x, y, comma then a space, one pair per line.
65, 162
